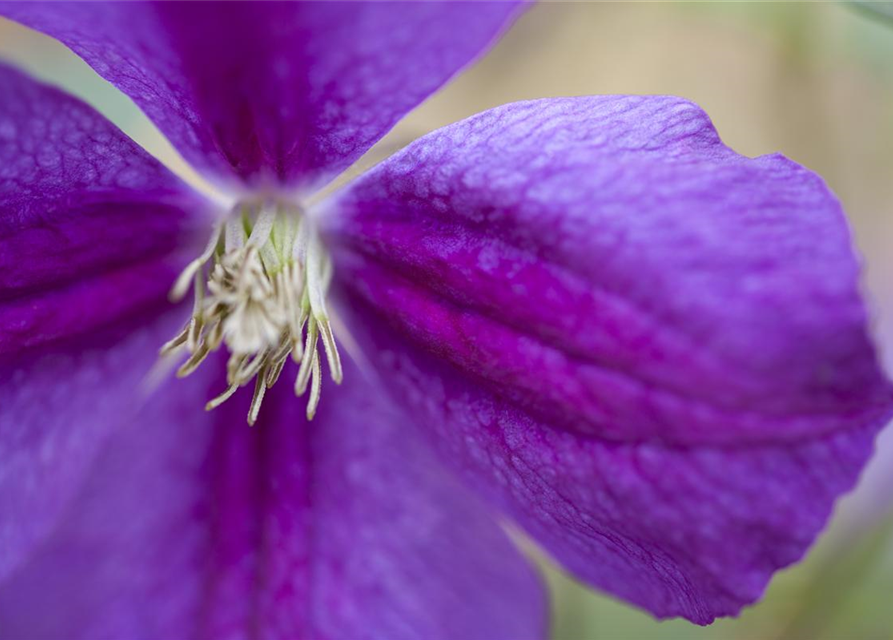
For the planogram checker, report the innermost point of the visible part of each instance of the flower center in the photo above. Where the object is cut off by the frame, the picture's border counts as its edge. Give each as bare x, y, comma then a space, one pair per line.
260, 289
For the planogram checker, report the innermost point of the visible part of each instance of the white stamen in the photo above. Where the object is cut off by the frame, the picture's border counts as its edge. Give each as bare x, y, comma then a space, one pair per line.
307, 360
174, 343
332, 355
263, 227
194, 360
235, 234
181, 286
316, 378
223, 397
195, 324
259, 390
317, 294
264, 297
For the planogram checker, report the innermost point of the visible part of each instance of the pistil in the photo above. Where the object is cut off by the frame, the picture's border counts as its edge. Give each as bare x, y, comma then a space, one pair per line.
260, 289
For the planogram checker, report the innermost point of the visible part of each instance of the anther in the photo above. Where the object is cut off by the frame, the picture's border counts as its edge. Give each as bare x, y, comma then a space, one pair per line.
316, 382
308, 359
223, 397
194, 360
260, 388
181, 286
174, 343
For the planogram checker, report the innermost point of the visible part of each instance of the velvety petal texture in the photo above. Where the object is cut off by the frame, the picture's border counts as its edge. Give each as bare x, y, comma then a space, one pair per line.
610, 266
90, 224
192, 525
290, 92
90, 233
649, 349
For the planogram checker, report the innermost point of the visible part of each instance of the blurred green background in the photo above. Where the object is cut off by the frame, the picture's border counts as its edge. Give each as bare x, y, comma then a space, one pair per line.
813, 80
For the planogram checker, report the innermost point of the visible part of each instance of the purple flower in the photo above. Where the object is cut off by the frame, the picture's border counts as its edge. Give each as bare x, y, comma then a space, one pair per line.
586, 316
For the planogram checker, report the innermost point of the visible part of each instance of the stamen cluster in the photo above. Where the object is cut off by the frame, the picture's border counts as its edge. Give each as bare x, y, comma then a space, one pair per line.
260, 289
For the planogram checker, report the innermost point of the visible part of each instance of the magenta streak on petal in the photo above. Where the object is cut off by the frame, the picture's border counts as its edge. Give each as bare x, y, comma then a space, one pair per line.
346, 528
87, 306
609, 267
292, 92
193, 525
91, 226
44, 234
692, 531
256, 516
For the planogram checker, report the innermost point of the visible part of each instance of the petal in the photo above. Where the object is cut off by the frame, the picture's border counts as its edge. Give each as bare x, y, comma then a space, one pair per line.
693, 531
402, 550
83, 581
612, 268
89, 227
57, 408
647, 349
195, 525
286, 91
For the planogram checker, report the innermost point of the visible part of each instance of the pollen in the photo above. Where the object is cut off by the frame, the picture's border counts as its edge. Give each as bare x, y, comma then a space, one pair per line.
260, 290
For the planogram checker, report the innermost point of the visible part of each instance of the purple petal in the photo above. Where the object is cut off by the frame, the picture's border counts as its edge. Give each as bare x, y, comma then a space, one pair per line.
693, 531
649, 349
83, 581
88, 226
611, 267
57, 409
195, 525
292, 92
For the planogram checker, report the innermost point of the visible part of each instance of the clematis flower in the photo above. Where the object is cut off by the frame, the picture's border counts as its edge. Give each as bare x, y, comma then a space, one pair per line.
583, 316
